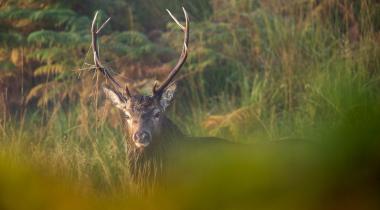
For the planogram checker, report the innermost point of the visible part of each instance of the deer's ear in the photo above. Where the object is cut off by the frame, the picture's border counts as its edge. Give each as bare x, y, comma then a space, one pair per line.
168, 96
115, 97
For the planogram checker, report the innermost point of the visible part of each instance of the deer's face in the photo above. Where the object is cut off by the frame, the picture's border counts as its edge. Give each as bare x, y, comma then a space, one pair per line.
142, 113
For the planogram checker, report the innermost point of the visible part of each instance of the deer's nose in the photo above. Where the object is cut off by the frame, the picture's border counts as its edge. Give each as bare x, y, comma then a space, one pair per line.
141, 139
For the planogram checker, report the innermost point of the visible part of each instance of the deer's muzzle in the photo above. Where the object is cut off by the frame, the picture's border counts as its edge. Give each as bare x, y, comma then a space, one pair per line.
142, 139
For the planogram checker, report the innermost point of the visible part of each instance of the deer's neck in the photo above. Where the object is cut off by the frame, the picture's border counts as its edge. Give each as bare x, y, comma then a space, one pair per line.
169, 130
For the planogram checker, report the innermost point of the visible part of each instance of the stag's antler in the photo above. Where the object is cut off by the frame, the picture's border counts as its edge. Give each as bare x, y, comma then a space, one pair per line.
95, 50
158, 91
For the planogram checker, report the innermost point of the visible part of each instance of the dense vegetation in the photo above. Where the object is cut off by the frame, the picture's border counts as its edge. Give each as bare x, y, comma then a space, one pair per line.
258, 72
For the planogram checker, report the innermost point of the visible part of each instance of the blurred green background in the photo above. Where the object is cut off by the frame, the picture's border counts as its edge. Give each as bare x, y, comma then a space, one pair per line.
295, 82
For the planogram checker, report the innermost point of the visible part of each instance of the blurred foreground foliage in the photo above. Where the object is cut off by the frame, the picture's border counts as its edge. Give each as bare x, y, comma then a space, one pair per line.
338, 170
298, 82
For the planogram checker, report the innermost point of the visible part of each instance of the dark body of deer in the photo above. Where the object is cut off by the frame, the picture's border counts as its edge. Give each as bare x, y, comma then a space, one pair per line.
148, 165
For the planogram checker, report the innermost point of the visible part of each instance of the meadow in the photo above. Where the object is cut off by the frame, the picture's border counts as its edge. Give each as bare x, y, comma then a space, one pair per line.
298, 81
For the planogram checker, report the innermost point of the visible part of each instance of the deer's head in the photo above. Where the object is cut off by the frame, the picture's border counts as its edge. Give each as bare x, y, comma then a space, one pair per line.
143, 114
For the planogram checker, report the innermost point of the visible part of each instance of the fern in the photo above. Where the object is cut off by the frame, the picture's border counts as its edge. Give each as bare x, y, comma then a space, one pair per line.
49, 70
16, 13
51, 38
7, 69
37, 91
56, 16
80, 24
132, 44
235, 122
48, 92
49, 55
10, 39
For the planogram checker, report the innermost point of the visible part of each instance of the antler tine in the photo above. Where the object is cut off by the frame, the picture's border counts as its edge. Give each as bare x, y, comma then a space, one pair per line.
158, 91
95, 50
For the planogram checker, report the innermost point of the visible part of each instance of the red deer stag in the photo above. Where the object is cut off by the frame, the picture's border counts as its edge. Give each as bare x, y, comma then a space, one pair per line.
150, 133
